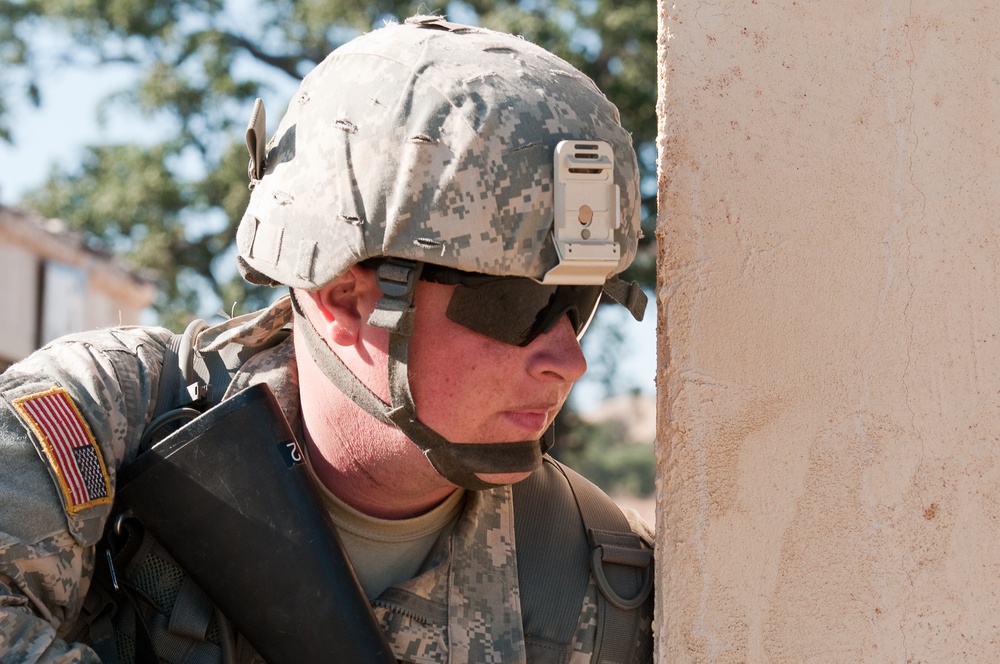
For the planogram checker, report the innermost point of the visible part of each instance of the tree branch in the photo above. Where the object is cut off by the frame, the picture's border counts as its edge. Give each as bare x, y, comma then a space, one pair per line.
286, 63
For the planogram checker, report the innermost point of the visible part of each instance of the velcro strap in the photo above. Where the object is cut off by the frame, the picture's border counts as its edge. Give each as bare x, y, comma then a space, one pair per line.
623, 575
621, 548
397, 279
394, 315
203, 653
255, 139
192, 611
628, 294
177, 649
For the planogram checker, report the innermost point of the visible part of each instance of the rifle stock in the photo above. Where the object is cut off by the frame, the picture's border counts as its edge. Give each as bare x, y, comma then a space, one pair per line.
228, 495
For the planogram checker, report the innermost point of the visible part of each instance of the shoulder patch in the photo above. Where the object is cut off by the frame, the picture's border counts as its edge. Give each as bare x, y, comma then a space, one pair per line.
70, 447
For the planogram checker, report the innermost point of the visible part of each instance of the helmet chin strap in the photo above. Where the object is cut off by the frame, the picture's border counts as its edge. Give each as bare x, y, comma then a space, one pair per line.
459, 463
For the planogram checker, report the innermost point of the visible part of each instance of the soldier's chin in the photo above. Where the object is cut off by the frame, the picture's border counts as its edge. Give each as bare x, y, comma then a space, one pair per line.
503, 478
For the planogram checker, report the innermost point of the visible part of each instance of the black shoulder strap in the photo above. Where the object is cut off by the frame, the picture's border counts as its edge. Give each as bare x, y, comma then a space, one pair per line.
171, 373
566, 529
190, 383
178, 393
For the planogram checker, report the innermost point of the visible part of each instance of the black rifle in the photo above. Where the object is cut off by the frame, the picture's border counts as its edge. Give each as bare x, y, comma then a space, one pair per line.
229, 497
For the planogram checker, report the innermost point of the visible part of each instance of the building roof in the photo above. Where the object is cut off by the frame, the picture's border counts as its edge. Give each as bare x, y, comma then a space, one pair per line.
53, 240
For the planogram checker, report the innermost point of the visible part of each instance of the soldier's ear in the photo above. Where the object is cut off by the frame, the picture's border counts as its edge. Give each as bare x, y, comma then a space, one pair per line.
345, 304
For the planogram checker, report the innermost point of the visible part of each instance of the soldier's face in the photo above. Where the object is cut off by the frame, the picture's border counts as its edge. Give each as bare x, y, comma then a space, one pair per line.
473, 389
468, 387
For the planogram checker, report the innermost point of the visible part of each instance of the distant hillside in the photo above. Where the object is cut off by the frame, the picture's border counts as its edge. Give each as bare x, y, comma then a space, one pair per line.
636, 411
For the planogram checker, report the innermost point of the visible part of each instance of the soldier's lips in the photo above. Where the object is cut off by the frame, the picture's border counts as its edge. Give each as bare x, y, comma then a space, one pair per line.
533, 421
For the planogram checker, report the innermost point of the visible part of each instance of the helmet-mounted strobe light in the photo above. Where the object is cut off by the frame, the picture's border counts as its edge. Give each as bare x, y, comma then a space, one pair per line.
587, 211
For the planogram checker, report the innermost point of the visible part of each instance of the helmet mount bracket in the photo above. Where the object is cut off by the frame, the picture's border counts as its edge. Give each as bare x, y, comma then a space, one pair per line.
587, 212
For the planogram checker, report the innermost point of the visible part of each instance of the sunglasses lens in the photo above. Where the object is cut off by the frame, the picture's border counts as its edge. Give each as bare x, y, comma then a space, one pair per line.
515, 310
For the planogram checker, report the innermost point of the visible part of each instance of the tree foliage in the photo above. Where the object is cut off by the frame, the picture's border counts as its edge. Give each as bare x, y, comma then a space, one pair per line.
173, 203
603, 453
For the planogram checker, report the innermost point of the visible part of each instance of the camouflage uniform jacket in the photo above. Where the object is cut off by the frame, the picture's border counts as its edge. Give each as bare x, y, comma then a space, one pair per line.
463, 607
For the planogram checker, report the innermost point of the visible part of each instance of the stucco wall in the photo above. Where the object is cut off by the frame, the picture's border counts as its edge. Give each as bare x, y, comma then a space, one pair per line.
829, 358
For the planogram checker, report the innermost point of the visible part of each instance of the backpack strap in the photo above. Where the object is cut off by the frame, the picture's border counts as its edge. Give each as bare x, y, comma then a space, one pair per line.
553, 562
556, 554
190, 383
180, 393
178, 380
622, 566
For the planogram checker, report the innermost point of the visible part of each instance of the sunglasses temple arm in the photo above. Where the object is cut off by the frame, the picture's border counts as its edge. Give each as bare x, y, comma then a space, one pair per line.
628, 294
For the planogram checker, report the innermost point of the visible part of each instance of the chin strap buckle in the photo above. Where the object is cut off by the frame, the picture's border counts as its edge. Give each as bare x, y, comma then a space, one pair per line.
397, 279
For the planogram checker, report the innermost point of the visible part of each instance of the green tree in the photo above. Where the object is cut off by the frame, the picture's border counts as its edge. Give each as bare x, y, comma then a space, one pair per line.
603, 453
173, 205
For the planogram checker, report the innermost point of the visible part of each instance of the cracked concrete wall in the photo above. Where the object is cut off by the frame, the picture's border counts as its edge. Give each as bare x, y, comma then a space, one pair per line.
829, 359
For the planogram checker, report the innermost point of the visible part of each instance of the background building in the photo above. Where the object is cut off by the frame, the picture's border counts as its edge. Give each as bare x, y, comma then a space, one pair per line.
56, 285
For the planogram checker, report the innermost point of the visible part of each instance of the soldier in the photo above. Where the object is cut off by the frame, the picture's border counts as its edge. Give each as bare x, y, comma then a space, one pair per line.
447, 205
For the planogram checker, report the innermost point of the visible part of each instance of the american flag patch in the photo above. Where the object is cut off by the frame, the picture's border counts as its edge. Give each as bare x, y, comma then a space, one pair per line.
70, 447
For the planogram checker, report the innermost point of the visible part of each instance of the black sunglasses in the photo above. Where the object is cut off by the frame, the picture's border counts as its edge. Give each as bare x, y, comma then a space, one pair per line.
513, 310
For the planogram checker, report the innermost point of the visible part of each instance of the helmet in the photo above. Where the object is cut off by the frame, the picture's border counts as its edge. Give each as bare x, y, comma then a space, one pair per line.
428, 141
438, 144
